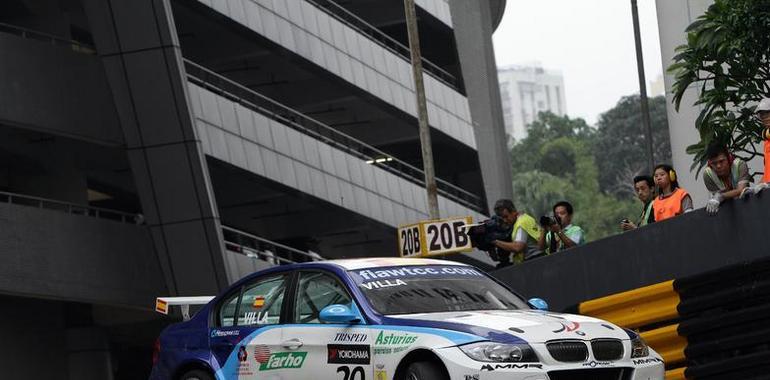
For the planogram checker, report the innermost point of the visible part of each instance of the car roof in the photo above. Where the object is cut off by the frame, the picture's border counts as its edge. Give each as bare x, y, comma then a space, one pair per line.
349, 264
377, 262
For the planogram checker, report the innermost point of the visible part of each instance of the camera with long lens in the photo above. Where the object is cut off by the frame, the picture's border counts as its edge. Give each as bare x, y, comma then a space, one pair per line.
548, 221
484, 234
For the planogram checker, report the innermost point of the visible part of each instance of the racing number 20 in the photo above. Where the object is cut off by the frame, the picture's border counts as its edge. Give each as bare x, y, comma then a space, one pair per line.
410, 240
356, 374
445, 236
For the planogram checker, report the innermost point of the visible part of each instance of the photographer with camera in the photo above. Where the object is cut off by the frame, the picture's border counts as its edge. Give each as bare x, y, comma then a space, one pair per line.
644, 186
484, 235
558, 233
523, 244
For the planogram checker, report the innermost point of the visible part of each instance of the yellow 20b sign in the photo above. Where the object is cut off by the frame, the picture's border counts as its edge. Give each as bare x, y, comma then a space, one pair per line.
434, 237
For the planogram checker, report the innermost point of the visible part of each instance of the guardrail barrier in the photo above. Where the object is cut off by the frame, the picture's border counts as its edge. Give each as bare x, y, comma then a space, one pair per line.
70, 208
260, 248
710, 326
76, 46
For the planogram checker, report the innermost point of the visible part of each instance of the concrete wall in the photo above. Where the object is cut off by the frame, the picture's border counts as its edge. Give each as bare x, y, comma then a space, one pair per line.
54, 89
686, 245
51, 254
56, 340
34, 340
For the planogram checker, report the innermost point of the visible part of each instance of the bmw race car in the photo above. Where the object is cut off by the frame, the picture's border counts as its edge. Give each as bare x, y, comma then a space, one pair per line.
403, 319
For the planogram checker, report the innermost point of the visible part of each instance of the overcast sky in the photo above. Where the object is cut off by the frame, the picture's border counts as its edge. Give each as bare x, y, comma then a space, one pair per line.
590, 41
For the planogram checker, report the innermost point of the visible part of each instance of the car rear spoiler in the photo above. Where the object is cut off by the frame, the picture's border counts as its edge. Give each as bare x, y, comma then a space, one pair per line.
162, 304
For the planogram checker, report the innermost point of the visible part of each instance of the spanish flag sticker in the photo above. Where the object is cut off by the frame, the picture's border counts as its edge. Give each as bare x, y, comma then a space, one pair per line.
161, 306
259, 301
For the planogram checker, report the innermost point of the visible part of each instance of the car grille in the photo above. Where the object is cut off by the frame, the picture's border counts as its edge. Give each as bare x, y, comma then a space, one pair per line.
607, 349
568, 351
592, 374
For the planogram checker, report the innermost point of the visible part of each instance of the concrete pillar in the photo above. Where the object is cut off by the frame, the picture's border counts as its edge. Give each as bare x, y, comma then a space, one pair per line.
139, 48
673, 19
474, 23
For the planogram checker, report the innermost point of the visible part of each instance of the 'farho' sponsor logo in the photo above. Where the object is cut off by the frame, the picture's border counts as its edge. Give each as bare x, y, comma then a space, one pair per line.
284, 360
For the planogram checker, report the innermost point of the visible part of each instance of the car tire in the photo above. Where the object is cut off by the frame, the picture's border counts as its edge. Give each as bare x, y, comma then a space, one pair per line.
425, 371
196, 374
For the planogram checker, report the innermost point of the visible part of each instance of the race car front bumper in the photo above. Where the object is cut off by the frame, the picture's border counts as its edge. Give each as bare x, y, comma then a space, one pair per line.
460, 366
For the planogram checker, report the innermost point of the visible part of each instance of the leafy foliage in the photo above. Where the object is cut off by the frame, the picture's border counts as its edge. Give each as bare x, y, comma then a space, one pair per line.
620, 143
556, 162
536, 191
727, 56
547, 127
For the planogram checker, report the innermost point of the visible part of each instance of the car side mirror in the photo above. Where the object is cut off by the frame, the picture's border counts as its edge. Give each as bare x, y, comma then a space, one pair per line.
538, 303
338, 314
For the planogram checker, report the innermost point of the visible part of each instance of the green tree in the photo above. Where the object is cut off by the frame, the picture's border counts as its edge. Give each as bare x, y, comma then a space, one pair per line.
536, 191
559, 157
727, 56
525, 154
564, 168
620, 143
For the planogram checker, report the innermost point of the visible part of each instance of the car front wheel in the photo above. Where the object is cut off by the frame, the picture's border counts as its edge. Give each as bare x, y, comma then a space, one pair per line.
196, 374
425, 371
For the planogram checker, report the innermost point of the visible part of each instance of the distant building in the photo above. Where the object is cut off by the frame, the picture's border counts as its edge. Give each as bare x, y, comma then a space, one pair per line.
525, 91
657, 87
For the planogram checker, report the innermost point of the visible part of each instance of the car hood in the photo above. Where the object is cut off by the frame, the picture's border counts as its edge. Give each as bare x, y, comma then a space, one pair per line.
528, 325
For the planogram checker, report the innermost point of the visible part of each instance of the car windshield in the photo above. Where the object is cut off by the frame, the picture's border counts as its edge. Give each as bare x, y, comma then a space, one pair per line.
432, 288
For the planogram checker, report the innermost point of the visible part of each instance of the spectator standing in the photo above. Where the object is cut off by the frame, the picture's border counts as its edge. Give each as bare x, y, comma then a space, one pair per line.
523, 244
644, 187
672, 200
561, 234
726, 177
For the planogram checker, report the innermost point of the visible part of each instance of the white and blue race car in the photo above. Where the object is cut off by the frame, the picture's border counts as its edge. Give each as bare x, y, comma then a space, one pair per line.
389, 318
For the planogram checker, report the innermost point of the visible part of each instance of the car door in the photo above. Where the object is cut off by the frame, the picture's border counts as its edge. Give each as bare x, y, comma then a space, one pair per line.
246, 331
333, 351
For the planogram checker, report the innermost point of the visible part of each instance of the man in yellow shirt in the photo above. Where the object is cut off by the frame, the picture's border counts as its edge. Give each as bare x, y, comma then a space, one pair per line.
523, 244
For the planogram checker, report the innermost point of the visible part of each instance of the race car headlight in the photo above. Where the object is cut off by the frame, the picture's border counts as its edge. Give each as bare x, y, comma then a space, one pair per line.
639, 348
500, 352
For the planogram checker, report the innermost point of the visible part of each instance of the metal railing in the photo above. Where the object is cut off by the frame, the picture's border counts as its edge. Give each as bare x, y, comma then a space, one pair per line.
348, 18
225, 87
48, 38
70, 208
260, 248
